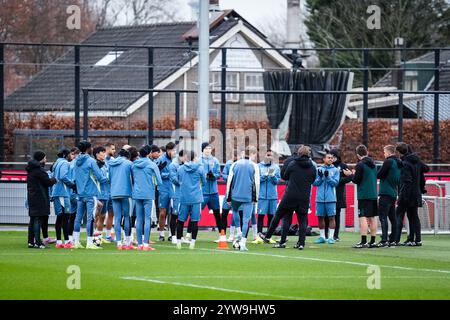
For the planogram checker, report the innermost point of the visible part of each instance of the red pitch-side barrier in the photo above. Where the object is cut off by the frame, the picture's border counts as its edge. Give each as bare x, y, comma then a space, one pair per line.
207, 218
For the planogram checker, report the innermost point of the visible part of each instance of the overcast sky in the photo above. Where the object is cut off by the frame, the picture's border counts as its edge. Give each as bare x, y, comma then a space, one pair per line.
255, 11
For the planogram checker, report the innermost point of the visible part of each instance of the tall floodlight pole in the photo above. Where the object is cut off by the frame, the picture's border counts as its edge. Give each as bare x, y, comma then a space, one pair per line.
203, 72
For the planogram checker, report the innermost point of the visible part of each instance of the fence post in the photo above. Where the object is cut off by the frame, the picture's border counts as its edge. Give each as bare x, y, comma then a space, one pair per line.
436, 215
365, 135
400, 117
2, 102
223, 103
77, 94
150, 97
177, 109
85, 113
436, 107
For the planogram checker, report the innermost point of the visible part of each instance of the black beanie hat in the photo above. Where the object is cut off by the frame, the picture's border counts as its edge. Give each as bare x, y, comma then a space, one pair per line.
84, 145
38, 155
204, 145
63, 153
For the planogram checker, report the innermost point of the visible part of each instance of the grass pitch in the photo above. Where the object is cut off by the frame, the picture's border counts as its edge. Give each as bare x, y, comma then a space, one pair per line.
319, 272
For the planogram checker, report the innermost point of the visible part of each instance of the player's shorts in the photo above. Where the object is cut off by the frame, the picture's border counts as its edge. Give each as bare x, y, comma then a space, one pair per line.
325, 209
267, 206
193, 210
175, 206
164, 200
212, 200
61, 204
367, 208
105, 206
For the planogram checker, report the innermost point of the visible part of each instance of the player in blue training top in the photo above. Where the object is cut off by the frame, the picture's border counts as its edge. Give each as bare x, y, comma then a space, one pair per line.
191, 179
243, 191
211, 168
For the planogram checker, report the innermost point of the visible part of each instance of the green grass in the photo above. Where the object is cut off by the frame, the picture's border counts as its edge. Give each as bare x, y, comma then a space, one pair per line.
319, 272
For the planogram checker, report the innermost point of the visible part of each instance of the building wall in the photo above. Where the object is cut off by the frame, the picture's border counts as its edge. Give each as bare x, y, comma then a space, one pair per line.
164, 103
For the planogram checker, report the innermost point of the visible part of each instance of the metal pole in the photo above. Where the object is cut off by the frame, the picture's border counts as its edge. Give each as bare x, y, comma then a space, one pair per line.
85, 114
203, 72
2, 103
365, 135
437, 58
77, 95
150, 97
400, 117
177, 110
223, 104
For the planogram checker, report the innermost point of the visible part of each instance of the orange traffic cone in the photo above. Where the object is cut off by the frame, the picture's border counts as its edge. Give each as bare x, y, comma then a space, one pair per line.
223, 241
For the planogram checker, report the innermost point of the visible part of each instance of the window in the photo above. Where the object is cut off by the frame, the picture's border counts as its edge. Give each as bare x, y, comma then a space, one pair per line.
254, 82
109, 58
232, 84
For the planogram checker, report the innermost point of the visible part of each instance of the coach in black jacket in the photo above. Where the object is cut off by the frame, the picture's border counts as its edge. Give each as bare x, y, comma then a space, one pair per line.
38, 198
411, 188
300, 173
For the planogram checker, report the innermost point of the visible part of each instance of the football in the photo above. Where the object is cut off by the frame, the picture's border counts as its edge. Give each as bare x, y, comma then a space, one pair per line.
97, 241
236, 245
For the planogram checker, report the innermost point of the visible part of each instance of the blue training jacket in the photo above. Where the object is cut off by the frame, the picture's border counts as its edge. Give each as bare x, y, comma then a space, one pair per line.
105, 187
166, 186
210, 164
145, 179
120, 177
243, 181
268, 186
191, 178
326, 191
88, 176
62, 175
173, 169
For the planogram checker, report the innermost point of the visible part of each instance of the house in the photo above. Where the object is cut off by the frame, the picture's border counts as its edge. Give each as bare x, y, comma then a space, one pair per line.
52, 90
416, 106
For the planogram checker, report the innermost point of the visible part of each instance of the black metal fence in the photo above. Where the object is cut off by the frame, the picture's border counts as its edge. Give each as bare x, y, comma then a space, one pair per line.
77, 61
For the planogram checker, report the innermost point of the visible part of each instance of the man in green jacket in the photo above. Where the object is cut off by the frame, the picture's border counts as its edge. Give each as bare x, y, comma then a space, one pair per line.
389, 176
365, 177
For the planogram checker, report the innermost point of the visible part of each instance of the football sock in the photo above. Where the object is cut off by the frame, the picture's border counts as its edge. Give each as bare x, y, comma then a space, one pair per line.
58, 225
216, 214
372, 239
363, 239
89, 240
224, 219
173, 224
260, 222
254, 230
232, 231
179, 229
269, 220
76, 237
331, 233
194, 230
322, 233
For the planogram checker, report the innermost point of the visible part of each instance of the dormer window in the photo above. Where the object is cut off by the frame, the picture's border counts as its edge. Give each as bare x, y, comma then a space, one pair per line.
109, 58
411, 81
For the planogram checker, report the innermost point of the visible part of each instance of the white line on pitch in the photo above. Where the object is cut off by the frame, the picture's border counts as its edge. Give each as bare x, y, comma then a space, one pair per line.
191, 285
322, 260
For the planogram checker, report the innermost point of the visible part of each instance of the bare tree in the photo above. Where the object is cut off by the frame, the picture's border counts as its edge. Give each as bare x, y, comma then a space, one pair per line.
135, 12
